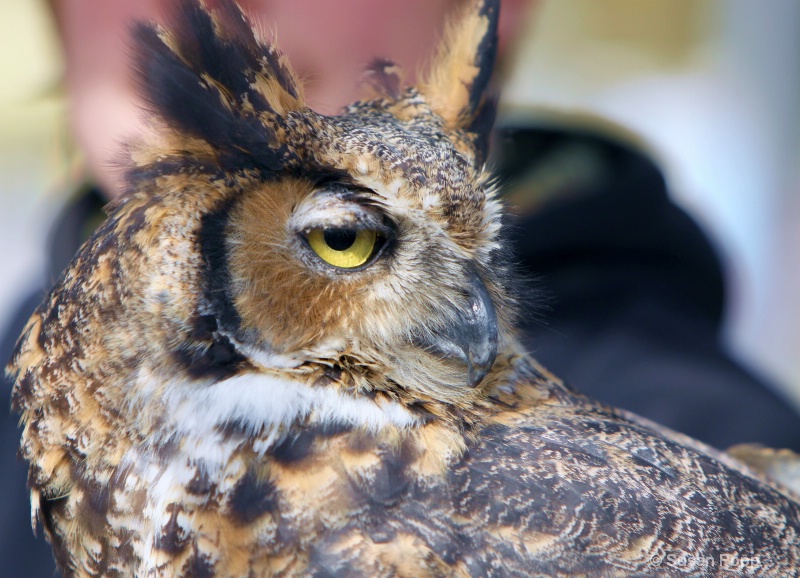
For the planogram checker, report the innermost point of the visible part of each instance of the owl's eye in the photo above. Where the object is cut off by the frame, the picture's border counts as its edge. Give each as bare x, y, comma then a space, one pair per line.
345, 248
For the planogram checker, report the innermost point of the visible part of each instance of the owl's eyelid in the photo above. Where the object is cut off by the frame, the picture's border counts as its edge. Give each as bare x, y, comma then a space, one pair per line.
381, 229
347, 215
347, 192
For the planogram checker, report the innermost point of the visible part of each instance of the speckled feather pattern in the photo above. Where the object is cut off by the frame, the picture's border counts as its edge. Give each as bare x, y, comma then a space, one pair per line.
202, 396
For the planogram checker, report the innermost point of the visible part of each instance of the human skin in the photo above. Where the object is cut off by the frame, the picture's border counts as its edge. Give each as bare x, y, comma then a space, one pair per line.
328, 43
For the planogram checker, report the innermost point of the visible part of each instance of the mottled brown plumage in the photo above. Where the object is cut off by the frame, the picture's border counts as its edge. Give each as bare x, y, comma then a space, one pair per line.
206, 392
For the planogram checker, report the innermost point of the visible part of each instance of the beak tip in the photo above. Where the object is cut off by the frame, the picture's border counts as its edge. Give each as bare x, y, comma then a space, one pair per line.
476, 377
478, 371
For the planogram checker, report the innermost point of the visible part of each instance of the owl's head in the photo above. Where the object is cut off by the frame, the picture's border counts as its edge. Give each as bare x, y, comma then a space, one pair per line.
262, 245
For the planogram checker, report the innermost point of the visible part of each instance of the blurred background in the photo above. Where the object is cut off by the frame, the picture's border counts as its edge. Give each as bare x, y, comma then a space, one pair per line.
712, 87
33, 132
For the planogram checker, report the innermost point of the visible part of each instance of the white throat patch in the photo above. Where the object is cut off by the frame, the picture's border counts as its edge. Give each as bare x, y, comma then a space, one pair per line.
258, 402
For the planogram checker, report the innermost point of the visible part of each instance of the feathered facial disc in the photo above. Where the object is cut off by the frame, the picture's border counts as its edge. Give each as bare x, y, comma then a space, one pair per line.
366, 241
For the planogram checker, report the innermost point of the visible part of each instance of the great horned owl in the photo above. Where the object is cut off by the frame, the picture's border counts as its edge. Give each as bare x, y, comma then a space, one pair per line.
290, 351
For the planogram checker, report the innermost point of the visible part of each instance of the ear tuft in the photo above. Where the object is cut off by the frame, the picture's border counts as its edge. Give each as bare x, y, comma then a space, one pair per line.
458, 78
208, 77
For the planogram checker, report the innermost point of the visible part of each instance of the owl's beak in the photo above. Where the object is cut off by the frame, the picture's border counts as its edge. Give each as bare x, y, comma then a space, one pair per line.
472, 336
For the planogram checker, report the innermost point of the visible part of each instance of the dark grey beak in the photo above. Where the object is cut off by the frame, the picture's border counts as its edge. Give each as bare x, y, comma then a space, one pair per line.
472, 337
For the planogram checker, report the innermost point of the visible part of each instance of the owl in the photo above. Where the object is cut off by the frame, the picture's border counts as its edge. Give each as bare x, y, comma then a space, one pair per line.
290, 351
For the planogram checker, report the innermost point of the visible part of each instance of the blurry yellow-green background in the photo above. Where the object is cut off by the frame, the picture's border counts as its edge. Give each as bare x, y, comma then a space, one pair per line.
713, 86
32, 132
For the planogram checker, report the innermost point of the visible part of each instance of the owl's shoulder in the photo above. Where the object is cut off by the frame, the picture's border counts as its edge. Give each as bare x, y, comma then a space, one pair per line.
531, 476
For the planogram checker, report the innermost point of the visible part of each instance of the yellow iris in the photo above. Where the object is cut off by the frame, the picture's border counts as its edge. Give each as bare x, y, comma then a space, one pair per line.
344, 248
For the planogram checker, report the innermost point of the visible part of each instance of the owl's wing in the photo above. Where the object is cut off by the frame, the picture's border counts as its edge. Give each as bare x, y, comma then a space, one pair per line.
563, 490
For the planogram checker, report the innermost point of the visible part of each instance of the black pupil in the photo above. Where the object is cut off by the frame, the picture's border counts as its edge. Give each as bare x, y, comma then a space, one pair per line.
340, 239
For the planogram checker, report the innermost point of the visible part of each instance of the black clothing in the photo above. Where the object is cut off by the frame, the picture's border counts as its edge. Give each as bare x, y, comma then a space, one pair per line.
635, 291
634, 299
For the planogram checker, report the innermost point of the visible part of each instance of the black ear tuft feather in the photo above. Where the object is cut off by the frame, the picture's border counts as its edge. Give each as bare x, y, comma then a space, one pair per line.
210, 78
485, 57
226, 51
481, 127
258, 57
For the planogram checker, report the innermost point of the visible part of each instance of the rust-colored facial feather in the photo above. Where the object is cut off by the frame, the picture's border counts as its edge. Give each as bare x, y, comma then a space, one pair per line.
293, 305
